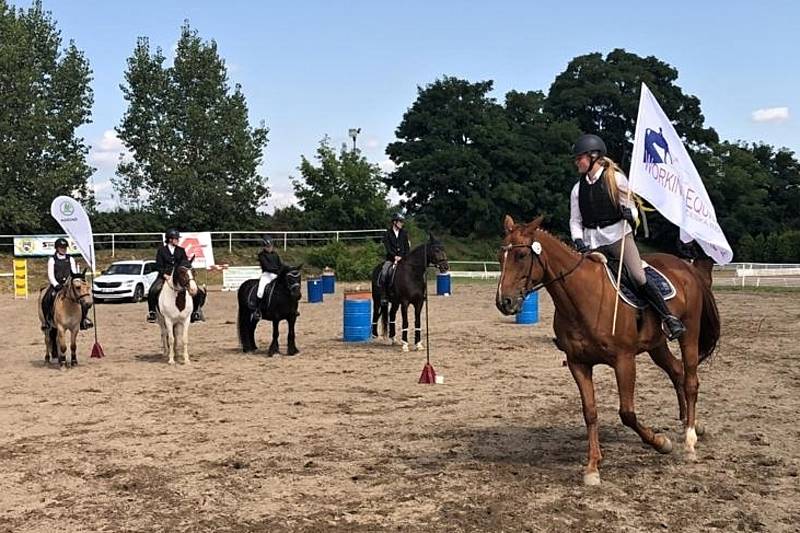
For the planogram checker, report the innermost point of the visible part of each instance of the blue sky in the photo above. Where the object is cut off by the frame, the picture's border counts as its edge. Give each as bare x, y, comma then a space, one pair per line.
315, 68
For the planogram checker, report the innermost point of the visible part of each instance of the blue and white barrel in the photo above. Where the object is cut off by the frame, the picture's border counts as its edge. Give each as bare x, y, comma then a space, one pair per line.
328, 281
529, 314
314, 290
357, 319
443, 284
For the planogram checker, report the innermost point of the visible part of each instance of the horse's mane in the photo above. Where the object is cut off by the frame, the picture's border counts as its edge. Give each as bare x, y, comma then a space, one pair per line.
558, 241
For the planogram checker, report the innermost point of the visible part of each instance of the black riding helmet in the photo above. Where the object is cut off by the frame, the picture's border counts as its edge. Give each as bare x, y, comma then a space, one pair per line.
172, 233
398, 217
61, 242
266, 240
588, 143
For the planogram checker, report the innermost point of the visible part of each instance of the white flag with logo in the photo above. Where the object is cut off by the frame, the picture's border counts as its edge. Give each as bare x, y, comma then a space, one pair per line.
75, 222
663, 174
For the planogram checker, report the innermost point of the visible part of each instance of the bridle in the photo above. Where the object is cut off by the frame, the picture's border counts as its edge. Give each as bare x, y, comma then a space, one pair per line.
180, 287
71, 291
294, 275
442, 265
536, 251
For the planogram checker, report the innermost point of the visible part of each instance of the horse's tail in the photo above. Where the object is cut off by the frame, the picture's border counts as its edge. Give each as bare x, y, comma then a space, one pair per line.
709, 322
244, 321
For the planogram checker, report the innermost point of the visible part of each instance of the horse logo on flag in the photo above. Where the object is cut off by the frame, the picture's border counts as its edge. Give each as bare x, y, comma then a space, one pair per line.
656, 149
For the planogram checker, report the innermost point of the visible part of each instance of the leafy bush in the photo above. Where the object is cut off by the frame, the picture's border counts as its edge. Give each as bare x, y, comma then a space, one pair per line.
351, 263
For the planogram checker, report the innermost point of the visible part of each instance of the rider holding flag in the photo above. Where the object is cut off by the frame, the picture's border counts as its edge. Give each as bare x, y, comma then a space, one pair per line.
602, 215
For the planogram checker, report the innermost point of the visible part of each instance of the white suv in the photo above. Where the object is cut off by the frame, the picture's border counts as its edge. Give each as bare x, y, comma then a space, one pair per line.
129, 280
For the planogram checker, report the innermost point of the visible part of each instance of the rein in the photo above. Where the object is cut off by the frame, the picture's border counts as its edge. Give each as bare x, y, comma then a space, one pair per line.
536, 251
71, 292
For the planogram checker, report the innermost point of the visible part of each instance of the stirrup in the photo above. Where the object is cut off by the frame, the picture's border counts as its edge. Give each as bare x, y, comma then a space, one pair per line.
86, 324
672, 327
255, 316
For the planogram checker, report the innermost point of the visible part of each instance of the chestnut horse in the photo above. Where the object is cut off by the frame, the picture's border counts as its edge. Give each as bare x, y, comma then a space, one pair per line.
583, 296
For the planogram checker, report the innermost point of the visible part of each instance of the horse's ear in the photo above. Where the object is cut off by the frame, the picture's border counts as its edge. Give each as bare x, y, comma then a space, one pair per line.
536, 222
299, 267
83, 272
508, 224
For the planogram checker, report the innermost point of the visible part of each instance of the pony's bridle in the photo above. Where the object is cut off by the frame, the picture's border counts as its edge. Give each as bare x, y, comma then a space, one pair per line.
77, 298
179, 287
294, 275
536, 252
441, 265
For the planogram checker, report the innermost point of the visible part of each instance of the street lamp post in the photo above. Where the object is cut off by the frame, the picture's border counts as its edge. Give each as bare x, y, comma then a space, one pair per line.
353, 132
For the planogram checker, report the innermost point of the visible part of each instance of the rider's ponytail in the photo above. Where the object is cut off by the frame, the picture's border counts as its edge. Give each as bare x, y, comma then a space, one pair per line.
610, 175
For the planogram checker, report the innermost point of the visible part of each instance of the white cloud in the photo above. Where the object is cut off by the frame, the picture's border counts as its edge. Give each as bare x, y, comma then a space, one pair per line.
387, 165
372, 143
770, 114
105, 152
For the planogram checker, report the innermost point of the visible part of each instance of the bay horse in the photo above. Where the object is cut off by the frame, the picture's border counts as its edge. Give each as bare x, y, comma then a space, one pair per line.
280, 305
409, 288
67, 313
532, 258
174, 311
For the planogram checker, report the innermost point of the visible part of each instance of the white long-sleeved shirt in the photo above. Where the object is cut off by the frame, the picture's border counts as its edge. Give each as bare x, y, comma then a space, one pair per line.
51, 267
595, 237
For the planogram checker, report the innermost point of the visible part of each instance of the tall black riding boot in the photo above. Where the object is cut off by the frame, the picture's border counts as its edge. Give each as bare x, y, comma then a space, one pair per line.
672, 326
198, 300
152, 299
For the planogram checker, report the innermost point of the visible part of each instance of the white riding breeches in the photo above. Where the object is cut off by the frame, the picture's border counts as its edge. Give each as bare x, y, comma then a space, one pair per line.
265, 279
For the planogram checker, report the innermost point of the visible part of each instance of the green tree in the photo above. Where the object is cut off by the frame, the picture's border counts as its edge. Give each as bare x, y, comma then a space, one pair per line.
463, 160
195, 155
343, 191
602, 96
45, 98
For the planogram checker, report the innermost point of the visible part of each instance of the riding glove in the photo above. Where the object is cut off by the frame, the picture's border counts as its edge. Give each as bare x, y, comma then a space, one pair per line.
581, 246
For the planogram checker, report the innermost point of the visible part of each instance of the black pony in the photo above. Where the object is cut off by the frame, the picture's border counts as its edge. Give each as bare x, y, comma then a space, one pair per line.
408, 288
281, 305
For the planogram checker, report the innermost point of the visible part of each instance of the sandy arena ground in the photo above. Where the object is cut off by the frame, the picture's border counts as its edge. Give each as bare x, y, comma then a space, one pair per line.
341, 437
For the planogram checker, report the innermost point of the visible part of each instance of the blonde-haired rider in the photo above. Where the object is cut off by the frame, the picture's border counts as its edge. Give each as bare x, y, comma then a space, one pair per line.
602, 215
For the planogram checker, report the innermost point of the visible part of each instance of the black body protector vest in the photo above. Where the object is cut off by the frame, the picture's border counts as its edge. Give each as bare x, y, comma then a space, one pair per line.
597, 209
61, 269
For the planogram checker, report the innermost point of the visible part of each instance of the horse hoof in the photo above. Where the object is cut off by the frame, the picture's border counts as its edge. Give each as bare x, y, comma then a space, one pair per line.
74, 363
691, 456
171, 362
699, 429
592, 479
665, 446
293, 352
405, 347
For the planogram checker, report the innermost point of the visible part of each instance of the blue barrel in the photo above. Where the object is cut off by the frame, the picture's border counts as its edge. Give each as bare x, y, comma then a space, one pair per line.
443, 284
314, 290
357, 320
530, 309
328, 282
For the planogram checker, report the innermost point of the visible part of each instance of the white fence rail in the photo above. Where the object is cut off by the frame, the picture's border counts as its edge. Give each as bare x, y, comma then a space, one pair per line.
284, 239
476, 269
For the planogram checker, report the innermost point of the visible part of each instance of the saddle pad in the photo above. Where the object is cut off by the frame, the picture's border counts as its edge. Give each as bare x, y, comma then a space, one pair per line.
629, 295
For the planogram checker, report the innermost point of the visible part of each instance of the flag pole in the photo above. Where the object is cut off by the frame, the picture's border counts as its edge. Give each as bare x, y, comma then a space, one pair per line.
619, 268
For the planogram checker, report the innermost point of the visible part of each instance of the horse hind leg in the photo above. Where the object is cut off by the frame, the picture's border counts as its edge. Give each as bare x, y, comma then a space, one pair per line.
62, 347
663, 358
583, 378
625, 371
691, 385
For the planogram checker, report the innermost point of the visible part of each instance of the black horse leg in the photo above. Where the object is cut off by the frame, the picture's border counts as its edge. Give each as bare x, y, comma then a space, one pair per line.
376, 315
417, 324
292, 349
273, 348
404, 336
392, 324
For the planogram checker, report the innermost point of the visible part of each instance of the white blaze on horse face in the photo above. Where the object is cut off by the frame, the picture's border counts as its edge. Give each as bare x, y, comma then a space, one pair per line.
499, 296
